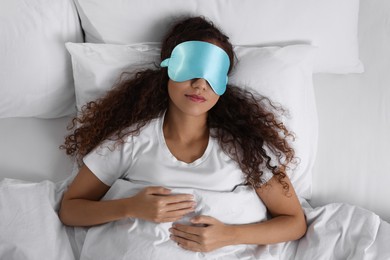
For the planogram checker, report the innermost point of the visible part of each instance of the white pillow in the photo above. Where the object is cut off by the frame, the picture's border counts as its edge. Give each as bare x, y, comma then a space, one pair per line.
96, 67
35, 68
282, 73
29, 224
332, 25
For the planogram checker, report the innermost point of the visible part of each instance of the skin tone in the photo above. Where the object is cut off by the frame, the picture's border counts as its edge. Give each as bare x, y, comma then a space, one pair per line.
185, 127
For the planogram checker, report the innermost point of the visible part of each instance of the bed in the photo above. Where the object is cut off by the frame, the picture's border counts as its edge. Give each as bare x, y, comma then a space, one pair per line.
326, 61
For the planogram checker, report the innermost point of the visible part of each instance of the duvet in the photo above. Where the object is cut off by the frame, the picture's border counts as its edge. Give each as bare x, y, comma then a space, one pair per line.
31, 229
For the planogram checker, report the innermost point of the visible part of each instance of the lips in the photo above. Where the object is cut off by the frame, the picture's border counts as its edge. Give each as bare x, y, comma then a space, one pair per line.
196, 98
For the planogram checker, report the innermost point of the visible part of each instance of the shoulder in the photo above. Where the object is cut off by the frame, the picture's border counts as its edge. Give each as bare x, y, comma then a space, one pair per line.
128, 135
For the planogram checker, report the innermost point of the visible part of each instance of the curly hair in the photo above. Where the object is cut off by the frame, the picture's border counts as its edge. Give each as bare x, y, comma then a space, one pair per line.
246, 125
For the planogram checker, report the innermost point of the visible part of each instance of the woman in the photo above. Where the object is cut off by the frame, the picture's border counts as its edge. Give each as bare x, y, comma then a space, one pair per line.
181, 125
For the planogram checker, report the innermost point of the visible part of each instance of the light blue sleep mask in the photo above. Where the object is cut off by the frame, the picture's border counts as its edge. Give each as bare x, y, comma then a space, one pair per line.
197, 59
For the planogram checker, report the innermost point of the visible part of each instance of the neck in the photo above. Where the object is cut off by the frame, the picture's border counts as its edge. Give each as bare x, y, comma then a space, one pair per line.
185, 128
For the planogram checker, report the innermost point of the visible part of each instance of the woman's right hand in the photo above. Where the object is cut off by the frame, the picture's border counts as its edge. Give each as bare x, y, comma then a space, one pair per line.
157, 204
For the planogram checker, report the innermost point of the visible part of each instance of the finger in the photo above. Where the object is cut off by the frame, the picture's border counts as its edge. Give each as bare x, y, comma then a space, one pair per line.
193, 248
179, 198
180, 206
202, 219
157, 190
189, 229
187, 244
178, 213
188, 236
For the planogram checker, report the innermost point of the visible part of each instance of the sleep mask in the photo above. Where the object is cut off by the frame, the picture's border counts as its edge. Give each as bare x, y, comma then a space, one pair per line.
197, 59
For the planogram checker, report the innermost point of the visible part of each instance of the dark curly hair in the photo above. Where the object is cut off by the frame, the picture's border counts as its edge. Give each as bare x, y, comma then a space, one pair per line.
246, 124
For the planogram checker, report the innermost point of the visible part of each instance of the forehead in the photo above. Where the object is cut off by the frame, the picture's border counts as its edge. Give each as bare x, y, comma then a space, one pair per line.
215, 42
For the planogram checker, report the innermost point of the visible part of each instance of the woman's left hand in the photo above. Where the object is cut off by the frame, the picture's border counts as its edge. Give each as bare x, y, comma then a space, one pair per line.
208, 235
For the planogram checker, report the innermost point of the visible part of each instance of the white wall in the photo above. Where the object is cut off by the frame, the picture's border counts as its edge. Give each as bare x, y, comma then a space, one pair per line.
353, 161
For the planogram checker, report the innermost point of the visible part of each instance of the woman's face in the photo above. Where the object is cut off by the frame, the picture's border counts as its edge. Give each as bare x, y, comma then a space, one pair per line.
192, 97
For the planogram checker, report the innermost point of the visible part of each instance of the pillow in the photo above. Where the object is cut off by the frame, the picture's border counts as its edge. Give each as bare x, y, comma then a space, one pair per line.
96, 67
283, 74
35, 69
29, 223
139, 239
329, 24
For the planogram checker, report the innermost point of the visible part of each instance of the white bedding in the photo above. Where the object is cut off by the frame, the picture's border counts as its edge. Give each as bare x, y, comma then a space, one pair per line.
30, 229
352, 163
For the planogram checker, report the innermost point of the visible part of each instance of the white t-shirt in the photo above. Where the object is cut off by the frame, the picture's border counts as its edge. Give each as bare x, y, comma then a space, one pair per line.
146, 159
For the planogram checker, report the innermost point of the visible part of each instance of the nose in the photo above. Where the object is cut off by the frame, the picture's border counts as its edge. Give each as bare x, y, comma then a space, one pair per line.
200, 84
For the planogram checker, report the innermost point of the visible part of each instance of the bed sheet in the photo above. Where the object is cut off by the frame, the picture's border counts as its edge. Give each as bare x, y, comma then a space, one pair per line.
30, 229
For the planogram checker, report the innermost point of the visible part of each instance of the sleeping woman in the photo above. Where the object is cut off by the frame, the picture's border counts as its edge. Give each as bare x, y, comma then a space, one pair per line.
182, 126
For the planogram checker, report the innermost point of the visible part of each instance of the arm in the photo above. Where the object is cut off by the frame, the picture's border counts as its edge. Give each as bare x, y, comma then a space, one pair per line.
81, 205
287, 223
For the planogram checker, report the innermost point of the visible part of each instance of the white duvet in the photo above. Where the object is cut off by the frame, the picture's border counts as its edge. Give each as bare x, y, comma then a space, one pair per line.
31, 229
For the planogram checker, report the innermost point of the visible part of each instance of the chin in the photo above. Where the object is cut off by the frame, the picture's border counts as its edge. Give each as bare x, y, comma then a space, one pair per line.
195, 112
